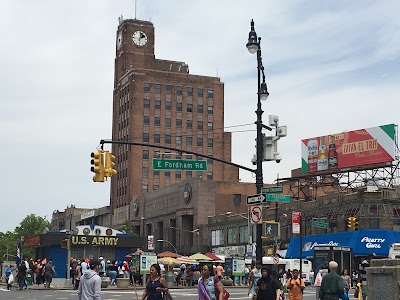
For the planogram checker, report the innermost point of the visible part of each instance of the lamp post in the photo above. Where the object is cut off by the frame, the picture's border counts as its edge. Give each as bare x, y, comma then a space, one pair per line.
196, 231
168, 243
254, 46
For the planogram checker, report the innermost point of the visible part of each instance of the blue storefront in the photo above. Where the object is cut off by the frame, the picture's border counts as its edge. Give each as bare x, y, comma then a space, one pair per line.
363, 242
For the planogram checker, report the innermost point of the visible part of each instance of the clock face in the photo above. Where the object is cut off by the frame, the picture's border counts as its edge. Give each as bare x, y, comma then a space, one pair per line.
119, 40
139, 38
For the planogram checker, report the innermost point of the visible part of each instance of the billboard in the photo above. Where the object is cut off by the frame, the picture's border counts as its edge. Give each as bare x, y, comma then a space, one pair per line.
348, 149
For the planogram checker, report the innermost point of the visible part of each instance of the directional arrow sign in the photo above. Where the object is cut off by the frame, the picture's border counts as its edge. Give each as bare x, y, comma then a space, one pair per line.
319, 224
255, 199
278, 197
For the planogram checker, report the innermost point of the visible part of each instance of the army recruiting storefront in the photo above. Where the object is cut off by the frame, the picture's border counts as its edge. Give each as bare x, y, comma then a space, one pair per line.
86, 241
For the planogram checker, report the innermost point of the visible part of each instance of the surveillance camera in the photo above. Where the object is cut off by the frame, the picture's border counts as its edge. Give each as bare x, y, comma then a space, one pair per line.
254, 160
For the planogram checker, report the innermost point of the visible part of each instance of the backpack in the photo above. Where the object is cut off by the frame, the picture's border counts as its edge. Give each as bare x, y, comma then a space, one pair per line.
8, 272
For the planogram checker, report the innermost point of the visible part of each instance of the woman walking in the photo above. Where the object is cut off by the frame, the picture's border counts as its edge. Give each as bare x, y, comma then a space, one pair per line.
268, 288
346, 281
209, 286
112, 271
156, 284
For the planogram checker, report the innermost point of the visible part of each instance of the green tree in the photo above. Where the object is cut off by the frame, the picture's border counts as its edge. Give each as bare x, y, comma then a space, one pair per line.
128, 227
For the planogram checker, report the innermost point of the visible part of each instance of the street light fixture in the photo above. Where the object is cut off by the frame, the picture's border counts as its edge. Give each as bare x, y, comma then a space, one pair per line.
168, 243
152, 225
254, 46
192, 231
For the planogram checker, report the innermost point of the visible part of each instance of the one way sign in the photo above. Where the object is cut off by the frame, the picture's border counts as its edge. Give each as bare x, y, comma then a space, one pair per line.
256, 199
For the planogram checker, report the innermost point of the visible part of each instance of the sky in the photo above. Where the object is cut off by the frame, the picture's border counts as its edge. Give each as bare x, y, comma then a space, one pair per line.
330, 66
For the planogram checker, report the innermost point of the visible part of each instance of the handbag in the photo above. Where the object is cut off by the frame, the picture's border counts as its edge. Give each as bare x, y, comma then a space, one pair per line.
356, 291
167, 296
226, 293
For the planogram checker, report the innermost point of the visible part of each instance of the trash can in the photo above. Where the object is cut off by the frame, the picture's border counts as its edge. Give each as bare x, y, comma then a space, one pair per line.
29, 278
170, 278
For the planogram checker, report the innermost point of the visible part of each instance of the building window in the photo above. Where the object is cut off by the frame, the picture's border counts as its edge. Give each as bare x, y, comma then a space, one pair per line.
177, 174
189, 107
145, 137
209, 161
168, 105
199, 125
243, 234
232, 235
178, 140
168, 122
157, 138
210, 94
209, 126
168, 139
147, 87
145, 172
145, 188
199, 141
217, 237
178, 106
209, 142
156, 153
156, 174
210, 110
190, 91
157, 121
157, 104
200, 92
146, 103
200, 109
178, 123
157, 88
167, 174
199, 174
189, 141
145, 154
189, 124
188, 174
168, 89
209, 176
146, 120
179, 91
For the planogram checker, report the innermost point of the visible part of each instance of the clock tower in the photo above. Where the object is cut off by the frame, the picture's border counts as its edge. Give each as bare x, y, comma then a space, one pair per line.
134, 47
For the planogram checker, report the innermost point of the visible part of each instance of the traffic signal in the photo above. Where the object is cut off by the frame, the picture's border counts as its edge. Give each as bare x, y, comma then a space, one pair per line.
352, 223
97, 166
110, 165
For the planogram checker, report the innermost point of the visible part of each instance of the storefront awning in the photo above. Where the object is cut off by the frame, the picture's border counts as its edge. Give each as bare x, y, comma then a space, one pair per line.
363, 242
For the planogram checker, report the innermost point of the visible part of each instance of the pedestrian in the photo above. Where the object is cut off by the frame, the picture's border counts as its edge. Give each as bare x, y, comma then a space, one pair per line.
332, 284
296, 286
346, 280
209, 286
312, 277
49, 271
8, 274
90, 285
102, 269
21, 275
246, 275
84, 265
268, 288
112, 270
255, 275
362, 274
39, 272
220, 271
156, 284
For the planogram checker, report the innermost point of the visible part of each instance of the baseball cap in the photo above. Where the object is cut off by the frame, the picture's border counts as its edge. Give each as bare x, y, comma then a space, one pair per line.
93, 263
101, 257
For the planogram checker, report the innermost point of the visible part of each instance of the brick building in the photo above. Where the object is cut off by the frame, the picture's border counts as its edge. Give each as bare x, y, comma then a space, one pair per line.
158, 102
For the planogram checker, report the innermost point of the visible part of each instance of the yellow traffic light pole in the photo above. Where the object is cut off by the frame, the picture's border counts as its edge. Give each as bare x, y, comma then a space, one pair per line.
98, 166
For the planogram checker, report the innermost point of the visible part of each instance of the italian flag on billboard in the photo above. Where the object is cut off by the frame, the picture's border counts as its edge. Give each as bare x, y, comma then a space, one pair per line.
349, 149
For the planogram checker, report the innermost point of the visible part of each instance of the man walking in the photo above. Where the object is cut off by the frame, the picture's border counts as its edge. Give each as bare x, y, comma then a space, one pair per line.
90, 284
296, 286
332, 284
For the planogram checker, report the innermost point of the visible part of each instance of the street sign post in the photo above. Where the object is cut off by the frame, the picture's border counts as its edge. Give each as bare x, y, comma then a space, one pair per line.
272, 190
277, 197
179, 164
255, 199
319, 224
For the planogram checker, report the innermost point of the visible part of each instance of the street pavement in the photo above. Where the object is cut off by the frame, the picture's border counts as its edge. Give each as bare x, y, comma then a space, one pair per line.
111, 293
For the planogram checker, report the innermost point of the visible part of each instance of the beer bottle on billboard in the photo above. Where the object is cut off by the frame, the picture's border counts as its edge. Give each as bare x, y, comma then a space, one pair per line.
322, 161
312, 146
332, 154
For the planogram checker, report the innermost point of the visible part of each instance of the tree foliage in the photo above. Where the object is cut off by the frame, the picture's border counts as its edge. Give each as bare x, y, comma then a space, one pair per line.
128, 227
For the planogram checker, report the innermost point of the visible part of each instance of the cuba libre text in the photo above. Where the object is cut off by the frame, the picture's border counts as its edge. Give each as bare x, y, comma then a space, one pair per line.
97, 240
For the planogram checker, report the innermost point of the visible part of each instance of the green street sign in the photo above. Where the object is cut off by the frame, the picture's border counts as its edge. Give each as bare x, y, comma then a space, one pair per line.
272, 190
277, 197
319, 224
179, 164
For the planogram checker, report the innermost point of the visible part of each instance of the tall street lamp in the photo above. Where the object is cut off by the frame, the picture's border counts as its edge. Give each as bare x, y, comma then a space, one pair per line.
168, 243
254, 46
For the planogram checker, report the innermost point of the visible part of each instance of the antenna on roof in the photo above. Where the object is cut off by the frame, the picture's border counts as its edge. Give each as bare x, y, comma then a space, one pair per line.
135, 8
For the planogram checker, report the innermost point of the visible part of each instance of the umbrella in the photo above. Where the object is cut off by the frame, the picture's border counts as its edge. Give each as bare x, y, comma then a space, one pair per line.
187, 260
200, 257
168, 261
212, 256
168, 254
128, 256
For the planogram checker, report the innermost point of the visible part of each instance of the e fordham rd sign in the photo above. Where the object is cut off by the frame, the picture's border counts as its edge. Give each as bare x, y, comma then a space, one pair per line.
179, 164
